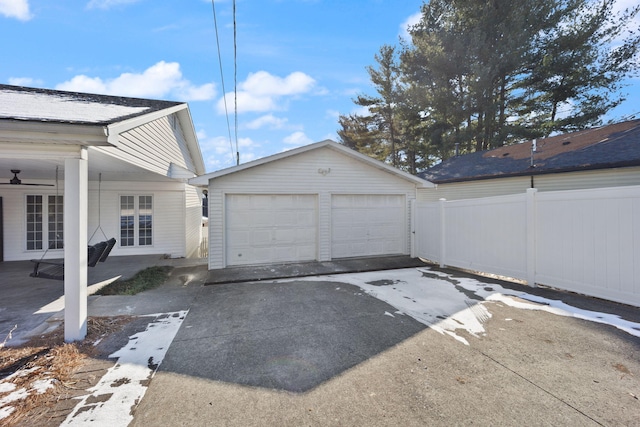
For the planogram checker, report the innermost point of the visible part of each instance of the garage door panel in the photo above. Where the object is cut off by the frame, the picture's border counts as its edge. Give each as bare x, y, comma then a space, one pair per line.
263, 228
367, 224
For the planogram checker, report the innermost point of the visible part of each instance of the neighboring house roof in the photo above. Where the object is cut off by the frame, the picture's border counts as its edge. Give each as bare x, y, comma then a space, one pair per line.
204, 179
611, 146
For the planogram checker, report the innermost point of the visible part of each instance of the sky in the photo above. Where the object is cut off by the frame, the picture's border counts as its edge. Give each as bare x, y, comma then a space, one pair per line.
299, 63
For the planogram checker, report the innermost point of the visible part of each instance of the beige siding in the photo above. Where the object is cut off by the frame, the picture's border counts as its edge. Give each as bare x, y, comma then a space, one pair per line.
620, 177
300, 174
475, 189
516, 185
153, 146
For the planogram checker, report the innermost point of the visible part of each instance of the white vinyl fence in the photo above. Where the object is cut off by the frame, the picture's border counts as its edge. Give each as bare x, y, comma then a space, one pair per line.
585, 241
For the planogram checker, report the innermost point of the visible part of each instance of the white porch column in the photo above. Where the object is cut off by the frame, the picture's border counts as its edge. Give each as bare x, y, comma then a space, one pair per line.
75, 246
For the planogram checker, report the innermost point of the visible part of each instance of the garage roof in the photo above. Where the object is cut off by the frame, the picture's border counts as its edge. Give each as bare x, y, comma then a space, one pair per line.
204, 179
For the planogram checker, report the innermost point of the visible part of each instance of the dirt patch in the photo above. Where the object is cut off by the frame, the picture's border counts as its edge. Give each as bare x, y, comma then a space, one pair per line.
41, 379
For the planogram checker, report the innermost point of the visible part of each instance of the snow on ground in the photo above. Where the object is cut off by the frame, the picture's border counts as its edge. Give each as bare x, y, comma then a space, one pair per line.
448, 305
7, 386
123, 386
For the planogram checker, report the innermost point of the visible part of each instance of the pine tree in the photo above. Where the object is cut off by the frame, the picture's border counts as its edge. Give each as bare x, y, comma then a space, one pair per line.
479, 74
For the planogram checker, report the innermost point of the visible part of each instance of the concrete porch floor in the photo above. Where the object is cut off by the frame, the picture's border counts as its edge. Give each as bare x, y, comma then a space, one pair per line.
26, 302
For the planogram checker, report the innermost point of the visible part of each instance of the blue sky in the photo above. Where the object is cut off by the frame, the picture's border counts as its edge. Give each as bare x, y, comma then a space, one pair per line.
299, 62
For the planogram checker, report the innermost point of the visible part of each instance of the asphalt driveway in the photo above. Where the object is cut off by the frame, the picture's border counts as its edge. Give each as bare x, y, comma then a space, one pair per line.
289, 336
355, 349
407, 346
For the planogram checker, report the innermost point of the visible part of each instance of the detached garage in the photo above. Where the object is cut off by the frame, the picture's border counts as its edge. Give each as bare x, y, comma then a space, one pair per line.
319, 202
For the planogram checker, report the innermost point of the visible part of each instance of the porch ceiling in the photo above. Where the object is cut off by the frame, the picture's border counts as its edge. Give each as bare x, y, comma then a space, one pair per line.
44, 170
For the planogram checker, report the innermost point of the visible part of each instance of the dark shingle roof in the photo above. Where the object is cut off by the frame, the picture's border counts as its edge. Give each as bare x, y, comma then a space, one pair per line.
616, 145
46, 105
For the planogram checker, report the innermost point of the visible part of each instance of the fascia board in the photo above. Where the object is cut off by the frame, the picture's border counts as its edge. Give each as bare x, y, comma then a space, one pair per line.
190, 135
52, 133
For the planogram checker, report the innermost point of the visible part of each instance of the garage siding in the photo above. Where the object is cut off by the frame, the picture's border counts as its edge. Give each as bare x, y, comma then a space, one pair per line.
322, 173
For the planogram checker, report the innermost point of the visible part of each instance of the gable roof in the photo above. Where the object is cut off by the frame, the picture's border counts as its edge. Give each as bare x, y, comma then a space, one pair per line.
611, 146
49, 116
55, 106
204, 179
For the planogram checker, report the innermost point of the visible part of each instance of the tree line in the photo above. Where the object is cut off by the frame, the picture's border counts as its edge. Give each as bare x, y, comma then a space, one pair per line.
479, 74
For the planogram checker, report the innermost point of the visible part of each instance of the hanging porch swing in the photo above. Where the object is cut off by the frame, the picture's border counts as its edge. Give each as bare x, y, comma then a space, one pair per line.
54, 269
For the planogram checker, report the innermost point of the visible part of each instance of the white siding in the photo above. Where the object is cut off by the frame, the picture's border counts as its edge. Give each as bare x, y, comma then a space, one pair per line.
300, 174
153, 146
168, 218
193, 221
517, 185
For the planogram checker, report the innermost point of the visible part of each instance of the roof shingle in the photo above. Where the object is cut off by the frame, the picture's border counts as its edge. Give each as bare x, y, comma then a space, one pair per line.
46, 105
616, 145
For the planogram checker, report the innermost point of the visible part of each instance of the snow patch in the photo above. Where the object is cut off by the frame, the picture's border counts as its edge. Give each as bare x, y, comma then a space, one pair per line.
449, 304
6, 387
41, 386
126, 382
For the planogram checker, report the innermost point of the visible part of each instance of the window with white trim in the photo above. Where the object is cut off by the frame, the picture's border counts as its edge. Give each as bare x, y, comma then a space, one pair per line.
38, 228
136, 220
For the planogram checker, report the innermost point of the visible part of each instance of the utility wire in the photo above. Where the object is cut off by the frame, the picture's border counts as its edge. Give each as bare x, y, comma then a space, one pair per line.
235, 79
224, 97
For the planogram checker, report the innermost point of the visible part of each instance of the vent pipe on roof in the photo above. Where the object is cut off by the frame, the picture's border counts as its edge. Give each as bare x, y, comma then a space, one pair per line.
457, 149
533, 150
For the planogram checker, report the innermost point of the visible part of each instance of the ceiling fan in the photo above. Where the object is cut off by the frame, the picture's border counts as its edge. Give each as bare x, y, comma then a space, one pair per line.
17, 181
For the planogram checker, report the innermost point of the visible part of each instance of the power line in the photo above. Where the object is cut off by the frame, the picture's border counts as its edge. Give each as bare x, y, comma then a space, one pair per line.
224, 97
235, 79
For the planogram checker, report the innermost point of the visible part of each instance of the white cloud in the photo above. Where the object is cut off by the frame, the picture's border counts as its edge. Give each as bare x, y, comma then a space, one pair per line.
25, 81
262, 91
409, 22
18, 9
246, 102
268, 120
297, 139
158, 81
219, 153
108, 4
265, 84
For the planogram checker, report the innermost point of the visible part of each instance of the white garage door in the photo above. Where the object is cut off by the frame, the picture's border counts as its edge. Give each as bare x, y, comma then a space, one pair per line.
264, 229
365, 225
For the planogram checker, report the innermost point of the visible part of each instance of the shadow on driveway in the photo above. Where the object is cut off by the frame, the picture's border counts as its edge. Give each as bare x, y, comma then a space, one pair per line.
289, 336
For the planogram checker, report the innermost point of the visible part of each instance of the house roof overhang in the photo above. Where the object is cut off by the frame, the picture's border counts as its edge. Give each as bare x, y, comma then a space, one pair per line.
419, 182
35, 132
